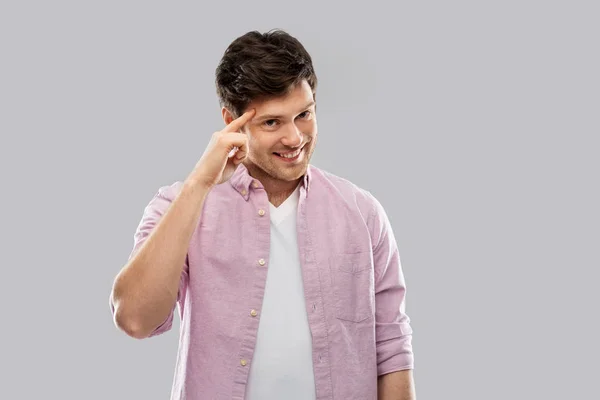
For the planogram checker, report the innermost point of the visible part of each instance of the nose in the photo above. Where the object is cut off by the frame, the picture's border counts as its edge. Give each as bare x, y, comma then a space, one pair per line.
292, 137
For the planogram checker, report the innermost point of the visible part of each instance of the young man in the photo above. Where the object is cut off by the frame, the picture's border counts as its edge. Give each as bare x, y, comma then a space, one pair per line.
287, 277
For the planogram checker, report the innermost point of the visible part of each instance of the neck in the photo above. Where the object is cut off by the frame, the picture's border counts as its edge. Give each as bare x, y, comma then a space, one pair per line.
277, 190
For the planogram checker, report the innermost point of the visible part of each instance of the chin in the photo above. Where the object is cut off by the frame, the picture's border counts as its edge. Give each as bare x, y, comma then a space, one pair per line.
288, 176
276, 172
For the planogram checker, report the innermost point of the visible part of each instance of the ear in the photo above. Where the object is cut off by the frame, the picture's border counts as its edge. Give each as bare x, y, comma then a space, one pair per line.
227, 116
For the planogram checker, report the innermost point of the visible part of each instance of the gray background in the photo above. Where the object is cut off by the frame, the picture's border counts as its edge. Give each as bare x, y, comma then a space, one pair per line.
475, 124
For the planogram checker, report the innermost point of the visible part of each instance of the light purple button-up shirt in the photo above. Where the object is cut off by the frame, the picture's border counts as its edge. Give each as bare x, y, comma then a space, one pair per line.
353, 285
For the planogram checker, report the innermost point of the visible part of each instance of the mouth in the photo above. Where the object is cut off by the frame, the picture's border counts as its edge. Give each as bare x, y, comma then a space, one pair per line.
290, 155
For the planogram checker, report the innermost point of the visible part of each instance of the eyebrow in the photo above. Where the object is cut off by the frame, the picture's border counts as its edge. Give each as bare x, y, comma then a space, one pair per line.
273, 116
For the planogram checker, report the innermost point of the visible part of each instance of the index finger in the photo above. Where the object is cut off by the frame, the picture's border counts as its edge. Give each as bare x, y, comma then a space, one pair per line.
237, 123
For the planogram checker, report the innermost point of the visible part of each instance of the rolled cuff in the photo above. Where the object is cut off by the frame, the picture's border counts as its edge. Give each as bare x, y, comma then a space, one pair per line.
394, 348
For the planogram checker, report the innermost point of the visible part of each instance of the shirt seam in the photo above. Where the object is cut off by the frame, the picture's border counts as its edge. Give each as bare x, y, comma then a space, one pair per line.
375, 247
323, 318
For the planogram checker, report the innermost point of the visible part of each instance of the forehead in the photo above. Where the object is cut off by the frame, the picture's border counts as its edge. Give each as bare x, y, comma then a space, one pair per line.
295, 101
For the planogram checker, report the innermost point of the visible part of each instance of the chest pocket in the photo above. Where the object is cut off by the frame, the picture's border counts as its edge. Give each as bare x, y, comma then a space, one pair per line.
352, 284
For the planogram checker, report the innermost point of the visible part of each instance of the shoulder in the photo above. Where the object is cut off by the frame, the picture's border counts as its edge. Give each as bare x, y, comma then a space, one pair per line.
166, 193
170, 192
342, 189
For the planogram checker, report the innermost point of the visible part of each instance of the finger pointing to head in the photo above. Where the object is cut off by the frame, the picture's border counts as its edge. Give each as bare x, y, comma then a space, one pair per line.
238, 123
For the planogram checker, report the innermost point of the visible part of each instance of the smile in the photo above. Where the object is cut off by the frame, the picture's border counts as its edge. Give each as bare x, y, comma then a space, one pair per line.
291, 156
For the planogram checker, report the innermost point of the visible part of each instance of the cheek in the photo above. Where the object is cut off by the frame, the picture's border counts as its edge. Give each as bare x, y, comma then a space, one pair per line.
311, 128
312, 132
261, 144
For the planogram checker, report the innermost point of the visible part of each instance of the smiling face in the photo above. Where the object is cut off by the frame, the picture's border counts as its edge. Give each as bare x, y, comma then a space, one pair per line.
281, 136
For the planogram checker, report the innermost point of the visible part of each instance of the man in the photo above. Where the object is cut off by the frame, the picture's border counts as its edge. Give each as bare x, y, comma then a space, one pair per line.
287, 277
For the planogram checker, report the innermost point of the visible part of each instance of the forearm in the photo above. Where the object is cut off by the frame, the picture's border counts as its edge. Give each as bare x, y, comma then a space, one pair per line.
145, 290
397, 385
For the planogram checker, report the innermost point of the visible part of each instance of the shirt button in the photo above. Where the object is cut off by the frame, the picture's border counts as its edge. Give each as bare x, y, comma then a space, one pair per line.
253, 313
243, 362
255, 184
261, 212
244, 192
261, 261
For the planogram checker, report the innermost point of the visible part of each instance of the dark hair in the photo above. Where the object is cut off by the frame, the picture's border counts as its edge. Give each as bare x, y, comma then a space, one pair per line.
259, 66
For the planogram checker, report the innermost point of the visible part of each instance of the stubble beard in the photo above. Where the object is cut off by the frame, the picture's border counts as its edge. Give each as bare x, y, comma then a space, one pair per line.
266, 167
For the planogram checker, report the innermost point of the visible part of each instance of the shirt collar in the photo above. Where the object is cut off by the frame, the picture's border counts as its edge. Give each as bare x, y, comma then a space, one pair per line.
243, 183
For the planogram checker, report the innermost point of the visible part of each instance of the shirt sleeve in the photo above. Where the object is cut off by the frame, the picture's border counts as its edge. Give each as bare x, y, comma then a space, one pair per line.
152, 214
392, 324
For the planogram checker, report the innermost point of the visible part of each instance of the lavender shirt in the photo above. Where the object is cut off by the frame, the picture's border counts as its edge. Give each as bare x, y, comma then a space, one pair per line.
354, 287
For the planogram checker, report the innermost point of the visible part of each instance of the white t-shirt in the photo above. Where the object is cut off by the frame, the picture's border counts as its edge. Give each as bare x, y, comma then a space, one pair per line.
282, 367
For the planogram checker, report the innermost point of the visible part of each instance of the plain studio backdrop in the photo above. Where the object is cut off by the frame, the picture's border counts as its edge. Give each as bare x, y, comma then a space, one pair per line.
476, 124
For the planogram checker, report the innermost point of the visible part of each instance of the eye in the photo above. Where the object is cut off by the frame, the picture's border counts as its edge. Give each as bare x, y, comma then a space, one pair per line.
269, 124
305, 114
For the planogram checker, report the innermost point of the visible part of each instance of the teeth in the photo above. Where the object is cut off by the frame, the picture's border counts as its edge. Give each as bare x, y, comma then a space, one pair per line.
291, 155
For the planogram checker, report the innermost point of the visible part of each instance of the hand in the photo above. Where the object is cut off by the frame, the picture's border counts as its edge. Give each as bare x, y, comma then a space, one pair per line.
225, 151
